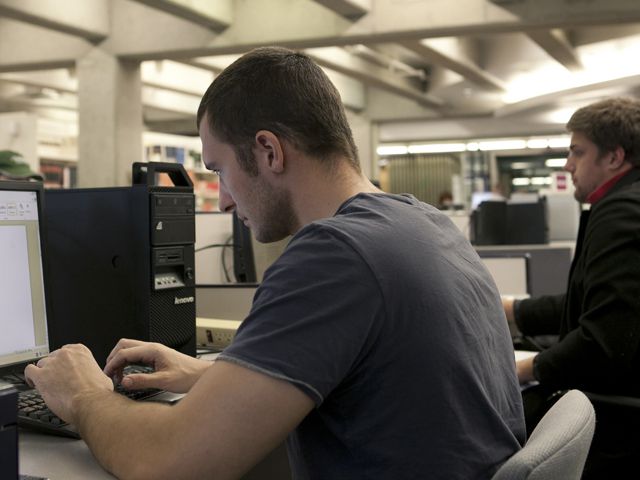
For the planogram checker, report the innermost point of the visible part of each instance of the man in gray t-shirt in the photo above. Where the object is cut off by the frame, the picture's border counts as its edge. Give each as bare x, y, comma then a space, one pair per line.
376, 344
384, 315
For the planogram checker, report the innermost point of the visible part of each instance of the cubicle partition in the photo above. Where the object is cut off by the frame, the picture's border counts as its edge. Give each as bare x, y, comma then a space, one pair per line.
510, 271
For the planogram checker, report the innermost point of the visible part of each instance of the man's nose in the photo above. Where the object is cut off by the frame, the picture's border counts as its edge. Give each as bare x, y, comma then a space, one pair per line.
225, 201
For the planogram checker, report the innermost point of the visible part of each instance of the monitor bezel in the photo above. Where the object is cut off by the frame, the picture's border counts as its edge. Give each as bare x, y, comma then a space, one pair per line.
38, 188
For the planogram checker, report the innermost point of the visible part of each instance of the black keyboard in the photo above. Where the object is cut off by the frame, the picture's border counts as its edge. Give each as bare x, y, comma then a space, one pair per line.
33, 412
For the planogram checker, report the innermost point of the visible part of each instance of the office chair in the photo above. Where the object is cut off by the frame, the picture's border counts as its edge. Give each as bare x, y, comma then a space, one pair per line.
557, 448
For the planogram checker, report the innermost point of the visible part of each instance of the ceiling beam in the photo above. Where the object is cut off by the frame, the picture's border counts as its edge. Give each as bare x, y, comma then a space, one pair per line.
176, 77
307, 24
61, 80
138, 31
556, 44
436, 51
25, 47
213, 64
203, 64
179, 126
351, 9
87, 19
339, 60
216, 15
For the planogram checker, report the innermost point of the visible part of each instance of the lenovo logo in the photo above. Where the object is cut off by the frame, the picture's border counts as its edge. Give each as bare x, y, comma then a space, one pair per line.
180, 301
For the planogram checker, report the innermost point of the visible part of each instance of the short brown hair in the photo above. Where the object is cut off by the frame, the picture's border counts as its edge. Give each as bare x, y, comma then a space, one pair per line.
611, 123
282, 91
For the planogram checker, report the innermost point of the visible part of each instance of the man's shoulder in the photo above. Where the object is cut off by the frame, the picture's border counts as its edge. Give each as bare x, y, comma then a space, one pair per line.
617, 213
626, 197
626, 192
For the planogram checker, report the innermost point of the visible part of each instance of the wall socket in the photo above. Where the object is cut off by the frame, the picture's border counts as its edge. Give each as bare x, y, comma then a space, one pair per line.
216, 333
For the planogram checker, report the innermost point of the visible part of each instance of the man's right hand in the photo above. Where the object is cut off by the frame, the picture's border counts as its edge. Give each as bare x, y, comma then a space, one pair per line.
507, 304
174, 371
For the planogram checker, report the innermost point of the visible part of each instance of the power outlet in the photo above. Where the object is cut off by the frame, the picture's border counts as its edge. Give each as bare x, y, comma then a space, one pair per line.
215, 333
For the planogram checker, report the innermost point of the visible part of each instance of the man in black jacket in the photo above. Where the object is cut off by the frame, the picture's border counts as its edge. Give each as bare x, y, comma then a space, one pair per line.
598, 318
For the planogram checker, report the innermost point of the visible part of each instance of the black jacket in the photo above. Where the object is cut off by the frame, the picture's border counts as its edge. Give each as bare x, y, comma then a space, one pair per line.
598, 319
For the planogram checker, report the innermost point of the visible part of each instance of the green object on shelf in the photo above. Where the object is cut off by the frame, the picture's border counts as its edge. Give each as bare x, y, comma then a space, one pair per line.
13, 167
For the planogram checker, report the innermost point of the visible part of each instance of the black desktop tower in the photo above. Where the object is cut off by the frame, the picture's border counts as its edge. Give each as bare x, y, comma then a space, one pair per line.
8, 432
122, 262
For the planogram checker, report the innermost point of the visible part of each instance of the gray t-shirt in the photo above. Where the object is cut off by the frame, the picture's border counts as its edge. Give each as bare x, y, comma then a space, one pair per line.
385, 316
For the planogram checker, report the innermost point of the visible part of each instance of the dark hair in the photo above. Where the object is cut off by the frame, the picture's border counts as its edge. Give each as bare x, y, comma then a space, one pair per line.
611, 123
282, 91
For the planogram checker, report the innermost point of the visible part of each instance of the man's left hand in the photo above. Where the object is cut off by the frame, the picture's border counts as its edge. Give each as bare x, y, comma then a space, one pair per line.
65, 376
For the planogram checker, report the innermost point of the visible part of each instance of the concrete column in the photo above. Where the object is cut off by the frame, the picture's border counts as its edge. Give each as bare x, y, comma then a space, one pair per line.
110, 119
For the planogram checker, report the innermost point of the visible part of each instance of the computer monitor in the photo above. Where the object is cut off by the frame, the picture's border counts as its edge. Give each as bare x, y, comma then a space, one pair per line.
499, 222
213, 248
22, 284
244, 266
510, 272
488, 223
563, 216
226, 251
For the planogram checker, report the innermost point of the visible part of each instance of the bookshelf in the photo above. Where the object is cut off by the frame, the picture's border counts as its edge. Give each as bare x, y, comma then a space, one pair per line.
57, 150
59, 173
160, 147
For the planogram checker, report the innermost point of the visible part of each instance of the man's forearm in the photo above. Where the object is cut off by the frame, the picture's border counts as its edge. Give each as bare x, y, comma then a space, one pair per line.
126, 437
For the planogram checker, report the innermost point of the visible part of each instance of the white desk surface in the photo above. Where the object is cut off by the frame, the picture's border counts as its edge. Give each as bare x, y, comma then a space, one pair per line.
57, 458
61, 458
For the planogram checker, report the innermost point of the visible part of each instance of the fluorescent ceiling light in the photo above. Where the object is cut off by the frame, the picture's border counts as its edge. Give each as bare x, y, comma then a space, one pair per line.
392, 150
437, 148
559, 142
537, 143
540, 180
520, 165
502, 145
555, 162
485, 145
473, 147
521, 181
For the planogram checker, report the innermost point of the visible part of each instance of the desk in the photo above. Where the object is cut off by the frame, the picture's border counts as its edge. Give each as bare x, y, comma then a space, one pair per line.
61, 458
57, 458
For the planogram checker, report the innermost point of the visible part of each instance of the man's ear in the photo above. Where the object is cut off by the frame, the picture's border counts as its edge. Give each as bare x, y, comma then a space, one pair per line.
269, 151
618, 158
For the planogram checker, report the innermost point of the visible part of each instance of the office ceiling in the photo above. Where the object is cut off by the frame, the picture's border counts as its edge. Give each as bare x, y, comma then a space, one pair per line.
420, 69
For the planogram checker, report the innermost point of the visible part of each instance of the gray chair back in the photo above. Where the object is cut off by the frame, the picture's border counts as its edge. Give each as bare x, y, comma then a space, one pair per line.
558, 446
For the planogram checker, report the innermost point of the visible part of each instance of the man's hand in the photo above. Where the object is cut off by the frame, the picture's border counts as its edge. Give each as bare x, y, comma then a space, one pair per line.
507, 304
65, 376
174, 371
524, 369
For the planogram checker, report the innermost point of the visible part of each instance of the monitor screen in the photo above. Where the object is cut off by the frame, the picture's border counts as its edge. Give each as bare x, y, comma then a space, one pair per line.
22, 293
510, 272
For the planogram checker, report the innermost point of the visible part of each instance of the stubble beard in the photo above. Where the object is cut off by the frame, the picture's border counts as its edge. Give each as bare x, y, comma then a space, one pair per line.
275, 217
